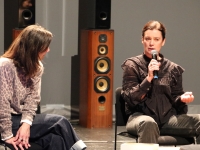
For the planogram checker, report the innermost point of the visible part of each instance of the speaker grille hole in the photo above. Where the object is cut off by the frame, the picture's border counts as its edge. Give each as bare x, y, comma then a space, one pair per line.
27, 14
102, 99
103, 16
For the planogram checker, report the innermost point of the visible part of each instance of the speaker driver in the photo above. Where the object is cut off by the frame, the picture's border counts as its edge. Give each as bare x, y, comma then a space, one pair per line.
102, 65
102, 49
102, 84
27, 14
102, 38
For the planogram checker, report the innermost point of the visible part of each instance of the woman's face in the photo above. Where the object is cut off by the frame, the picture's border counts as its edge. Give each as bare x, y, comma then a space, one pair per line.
42, 54
152, 40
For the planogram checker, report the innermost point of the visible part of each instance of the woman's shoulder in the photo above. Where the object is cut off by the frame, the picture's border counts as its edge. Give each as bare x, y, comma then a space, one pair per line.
7, 66
6, 62
174, 67
132, 60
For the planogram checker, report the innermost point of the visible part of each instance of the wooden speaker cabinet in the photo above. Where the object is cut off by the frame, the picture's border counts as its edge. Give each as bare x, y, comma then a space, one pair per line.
96, 78
16, 32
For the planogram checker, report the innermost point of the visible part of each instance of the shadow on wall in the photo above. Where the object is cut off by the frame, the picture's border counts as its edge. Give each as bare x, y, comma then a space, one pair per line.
75, 84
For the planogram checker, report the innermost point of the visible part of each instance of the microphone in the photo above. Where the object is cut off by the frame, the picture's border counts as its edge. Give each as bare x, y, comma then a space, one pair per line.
154, 56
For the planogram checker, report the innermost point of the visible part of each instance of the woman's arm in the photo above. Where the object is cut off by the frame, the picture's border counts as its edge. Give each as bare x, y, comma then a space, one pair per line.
6, 92
32, 101
134, 86
177, 91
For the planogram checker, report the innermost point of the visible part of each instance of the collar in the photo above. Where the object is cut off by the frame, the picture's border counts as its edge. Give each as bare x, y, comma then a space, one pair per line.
147, 59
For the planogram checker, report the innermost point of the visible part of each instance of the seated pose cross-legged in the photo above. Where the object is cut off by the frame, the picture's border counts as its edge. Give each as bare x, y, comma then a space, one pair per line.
21, 70
156, 105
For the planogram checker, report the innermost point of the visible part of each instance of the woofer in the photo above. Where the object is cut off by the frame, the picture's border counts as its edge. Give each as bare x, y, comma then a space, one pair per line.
102, 84
102, 65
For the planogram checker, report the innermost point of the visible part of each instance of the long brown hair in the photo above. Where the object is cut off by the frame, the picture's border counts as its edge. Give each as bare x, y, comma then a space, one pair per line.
25, 49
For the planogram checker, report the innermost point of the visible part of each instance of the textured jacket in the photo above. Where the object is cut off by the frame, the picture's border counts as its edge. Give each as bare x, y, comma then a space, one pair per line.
162, 95
17, 96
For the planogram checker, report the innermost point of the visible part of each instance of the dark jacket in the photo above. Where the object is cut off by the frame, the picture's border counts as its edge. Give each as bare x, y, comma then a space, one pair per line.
162, 95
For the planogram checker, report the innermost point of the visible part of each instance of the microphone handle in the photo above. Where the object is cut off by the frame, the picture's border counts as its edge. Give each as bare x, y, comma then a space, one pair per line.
155, 72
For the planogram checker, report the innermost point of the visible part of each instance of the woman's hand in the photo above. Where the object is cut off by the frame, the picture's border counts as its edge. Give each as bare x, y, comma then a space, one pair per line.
13, 142
22, 136
187, 97
153, 65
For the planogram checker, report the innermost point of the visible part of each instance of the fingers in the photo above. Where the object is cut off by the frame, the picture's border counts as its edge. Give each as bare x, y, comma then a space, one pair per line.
187, 97
153, 65
23, 143
15, 146
21, 146
189, 93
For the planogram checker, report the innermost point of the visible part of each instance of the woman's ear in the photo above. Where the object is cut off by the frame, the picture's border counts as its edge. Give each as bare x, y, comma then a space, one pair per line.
163, 42
142, 40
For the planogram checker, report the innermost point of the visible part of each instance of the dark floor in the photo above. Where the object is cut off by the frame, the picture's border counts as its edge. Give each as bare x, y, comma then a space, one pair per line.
101, 139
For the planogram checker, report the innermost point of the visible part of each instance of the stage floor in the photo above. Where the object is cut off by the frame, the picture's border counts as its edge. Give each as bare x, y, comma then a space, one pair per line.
99, 138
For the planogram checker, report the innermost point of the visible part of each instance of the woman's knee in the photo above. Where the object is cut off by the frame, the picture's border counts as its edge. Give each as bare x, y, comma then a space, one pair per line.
142, 122
147, 120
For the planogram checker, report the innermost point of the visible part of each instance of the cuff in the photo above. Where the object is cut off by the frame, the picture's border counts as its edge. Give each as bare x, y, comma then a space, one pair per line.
79, 145
145, 85
4, 139
26, 121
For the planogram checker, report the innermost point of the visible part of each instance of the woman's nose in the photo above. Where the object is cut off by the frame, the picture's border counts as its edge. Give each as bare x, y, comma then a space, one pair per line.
151, 42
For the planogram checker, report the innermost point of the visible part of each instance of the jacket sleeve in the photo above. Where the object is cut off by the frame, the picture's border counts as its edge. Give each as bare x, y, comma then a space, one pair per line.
177, 90
6, 92
32, 100
134, 84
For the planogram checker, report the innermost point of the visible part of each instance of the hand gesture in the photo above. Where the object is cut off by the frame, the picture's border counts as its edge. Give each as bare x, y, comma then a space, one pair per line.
187, 97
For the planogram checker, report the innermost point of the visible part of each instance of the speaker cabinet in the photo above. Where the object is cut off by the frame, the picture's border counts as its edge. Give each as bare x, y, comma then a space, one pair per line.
96, 78
17, 14
95, 14
16, 32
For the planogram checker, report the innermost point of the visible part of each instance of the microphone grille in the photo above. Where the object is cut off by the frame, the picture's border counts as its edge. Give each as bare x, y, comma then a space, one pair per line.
154, 52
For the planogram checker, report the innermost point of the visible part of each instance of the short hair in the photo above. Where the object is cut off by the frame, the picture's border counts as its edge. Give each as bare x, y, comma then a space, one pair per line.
154, 25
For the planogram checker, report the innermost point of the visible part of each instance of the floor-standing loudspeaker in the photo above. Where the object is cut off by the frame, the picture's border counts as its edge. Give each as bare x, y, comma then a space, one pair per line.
17, 14
96, 78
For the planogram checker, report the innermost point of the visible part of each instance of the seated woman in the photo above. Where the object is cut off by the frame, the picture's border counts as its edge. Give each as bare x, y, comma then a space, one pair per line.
153, 92
20, 83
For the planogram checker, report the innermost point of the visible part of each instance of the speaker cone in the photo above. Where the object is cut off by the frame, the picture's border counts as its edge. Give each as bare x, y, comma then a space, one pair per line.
102, 65
27, 14
102, 84
102, 49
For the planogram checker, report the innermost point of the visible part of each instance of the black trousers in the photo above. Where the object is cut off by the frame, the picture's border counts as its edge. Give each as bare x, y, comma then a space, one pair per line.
52, 132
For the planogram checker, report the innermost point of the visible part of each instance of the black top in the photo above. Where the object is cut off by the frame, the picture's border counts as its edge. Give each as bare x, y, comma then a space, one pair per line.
162, 95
